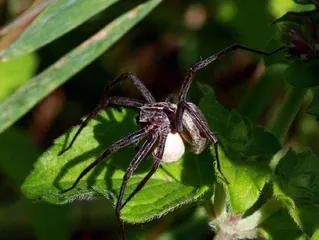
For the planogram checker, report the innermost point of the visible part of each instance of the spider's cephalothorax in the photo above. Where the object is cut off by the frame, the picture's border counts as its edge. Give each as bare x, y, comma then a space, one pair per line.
163, 126
161, 116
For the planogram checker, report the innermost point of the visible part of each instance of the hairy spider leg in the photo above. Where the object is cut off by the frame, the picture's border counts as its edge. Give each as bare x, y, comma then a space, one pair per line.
120, 101
140, 86
157, 160
132, 138
208, 134
192, 71
142, 153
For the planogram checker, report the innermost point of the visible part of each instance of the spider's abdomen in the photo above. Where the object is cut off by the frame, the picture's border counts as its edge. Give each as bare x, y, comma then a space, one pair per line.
192, 132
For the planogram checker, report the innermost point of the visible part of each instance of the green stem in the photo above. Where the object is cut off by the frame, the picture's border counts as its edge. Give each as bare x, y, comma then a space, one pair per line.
259, 216
287, 112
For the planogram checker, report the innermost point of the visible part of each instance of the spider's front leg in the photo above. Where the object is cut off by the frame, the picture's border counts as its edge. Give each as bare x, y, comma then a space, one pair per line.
198, 66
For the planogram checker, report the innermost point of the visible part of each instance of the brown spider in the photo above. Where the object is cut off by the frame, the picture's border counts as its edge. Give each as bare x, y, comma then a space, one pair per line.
164, 126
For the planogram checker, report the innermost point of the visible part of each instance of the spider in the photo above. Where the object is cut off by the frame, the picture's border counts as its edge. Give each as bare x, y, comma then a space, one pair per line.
164, 126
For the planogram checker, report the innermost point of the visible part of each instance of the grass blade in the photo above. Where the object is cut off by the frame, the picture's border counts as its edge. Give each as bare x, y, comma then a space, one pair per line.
58, 18
40, 86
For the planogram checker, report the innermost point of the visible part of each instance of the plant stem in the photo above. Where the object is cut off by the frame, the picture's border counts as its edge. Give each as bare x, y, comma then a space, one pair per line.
259, 216
287, 112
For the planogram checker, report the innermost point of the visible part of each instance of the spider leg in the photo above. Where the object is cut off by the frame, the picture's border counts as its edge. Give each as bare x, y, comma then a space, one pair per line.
140, 86
157, 160
132, 138
146, 147
120, 101
203, 63
208, 134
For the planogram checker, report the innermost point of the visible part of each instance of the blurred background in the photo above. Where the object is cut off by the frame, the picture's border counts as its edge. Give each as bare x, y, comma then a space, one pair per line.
159, 50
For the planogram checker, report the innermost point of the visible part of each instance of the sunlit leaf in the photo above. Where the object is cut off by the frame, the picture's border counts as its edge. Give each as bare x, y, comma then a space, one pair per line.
170, 187
245, 155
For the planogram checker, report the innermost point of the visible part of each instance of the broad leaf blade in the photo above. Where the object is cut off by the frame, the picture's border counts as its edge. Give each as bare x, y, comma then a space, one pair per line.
246, 152
40, 86
59, 18
281, 226
170, 187
296, 185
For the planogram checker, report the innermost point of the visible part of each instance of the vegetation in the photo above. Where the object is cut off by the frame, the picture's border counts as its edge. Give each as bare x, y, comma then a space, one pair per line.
57, 57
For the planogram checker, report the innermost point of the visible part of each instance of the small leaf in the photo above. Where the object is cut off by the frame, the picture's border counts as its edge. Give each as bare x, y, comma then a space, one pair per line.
313, 108
303, 74
244, 156
298, 17
59, 18
173, 185
27, 96
281, 226
297, 186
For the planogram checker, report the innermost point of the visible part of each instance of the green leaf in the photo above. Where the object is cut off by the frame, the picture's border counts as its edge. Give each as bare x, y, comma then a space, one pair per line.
303, 74
40, 86
14, 73
313, 108
298, 17
59, 18
315, 236
281, 226
170, 187
297, 186
245, 153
